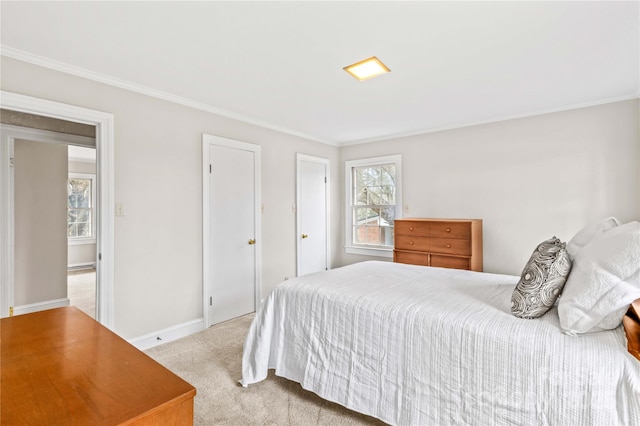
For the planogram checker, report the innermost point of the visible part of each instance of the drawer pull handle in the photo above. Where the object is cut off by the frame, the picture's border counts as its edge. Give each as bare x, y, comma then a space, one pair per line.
448, 245
411, 228
411, 243
448, 229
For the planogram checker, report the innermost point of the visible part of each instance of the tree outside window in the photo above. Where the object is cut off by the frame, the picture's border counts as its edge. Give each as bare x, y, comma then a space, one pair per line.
373, 204
80, 191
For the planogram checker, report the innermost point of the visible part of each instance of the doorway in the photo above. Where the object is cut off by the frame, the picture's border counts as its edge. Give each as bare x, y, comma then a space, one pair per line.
231, 228
54, 215
103, 123
312, 214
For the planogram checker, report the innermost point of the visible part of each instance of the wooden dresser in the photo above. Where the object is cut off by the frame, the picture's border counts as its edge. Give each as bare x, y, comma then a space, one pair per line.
61, 367
447, 243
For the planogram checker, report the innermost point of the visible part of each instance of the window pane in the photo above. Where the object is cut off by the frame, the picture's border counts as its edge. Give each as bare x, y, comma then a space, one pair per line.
373, 235
387, 215
386, 235
79, 192
388, 176
359, 234
387, 195
71, 230
83, 215
84, 230
360, 196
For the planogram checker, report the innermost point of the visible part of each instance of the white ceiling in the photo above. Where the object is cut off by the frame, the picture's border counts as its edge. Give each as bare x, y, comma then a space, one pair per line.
279, 64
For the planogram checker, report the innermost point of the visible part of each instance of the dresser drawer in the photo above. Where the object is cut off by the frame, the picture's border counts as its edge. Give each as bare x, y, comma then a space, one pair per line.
415, 242
450, 230
450, 246
411, 228
411, 258
450, 262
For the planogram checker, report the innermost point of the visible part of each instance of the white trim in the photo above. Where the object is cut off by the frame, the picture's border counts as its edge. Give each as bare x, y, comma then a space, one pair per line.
369, 251
86, 240
104, 123
348, 164
41, 306
48, 136
81, 266
21, 55
207, 141
327, 163
169, 334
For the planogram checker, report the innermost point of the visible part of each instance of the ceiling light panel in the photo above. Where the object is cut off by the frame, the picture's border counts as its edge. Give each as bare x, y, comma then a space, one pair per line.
366, 69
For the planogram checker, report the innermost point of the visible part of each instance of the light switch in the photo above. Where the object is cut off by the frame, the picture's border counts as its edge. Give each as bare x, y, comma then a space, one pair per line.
119, 209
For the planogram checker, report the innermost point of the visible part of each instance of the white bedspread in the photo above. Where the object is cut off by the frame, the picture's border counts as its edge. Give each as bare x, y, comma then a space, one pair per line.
430, 346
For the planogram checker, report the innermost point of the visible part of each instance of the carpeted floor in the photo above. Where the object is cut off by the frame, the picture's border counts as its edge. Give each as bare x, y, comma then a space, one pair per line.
211, 361
81, 290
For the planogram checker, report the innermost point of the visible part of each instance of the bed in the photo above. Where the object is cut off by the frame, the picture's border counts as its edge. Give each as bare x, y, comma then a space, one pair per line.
415, 345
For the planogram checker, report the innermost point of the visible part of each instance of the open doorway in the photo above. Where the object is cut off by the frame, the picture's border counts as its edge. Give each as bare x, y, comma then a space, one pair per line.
104, 141
53, 176
81, 229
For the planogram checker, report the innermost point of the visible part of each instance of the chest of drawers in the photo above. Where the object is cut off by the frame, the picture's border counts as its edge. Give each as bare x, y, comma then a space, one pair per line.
446, 243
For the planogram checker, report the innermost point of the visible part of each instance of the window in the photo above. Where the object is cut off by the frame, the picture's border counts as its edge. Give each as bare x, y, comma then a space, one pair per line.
374, 200
80, 208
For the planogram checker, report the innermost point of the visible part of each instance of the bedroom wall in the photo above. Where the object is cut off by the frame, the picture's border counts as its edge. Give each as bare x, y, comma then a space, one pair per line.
40, 185
158, 150
528, 179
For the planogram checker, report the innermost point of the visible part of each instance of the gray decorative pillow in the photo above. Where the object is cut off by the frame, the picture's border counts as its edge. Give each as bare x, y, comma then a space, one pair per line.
542, 280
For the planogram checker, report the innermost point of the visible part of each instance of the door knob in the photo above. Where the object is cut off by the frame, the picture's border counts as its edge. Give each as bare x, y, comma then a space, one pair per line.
305, 236
252, 242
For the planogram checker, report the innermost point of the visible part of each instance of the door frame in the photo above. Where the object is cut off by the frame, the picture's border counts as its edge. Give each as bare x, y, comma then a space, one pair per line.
207, 141
327, 163
104, 123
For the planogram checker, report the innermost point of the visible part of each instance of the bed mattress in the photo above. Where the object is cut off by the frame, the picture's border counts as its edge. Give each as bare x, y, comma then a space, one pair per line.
432, 346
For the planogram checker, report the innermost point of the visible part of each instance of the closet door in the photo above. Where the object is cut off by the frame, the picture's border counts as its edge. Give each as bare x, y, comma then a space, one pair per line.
232, 238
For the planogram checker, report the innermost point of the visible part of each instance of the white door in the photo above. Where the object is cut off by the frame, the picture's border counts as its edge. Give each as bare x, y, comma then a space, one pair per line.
233, 237
312, 209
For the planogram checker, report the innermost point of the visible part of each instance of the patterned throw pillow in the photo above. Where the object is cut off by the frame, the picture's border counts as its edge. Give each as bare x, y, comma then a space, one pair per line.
542, 280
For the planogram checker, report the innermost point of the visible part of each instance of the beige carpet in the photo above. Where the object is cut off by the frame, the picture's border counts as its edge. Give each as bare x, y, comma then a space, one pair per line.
211, 361
81, 290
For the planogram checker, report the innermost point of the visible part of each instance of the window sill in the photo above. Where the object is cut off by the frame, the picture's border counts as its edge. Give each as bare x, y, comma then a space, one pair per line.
80, 241
369, 251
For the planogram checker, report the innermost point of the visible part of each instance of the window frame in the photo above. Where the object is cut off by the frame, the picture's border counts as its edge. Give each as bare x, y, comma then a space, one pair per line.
369, 250
92, 238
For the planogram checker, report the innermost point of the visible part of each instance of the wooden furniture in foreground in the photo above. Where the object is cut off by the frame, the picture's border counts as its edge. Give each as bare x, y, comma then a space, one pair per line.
631, 322
447, 243
62, 367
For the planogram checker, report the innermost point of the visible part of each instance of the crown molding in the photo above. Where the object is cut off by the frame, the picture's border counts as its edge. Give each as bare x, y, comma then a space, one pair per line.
489, 121
31, 58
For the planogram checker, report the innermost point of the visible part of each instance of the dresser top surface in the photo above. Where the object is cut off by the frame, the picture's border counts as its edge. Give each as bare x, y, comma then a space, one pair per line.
60, 364
423, 219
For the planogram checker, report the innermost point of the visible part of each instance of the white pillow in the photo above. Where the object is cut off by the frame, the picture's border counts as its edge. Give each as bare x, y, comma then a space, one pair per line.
589, 233
604, 280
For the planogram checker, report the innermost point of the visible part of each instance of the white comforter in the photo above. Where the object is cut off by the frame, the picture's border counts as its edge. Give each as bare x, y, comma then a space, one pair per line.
431, 346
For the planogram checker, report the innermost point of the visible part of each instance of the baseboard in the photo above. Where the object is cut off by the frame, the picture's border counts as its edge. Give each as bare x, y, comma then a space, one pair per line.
168, 334
40, 306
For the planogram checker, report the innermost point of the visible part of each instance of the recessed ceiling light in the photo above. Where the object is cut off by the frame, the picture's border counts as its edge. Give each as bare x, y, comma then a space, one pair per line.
366, 69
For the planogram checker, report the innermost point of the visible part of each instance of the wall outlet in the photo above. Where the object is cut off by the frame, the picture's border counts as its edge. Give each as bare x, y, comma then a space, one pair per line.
406, 207
119, 209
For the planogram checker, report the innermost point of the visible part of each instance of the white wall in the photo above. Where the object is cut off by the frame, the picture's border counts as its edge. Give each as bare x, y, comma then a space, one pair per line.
528, 178
40, 185
158, 148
